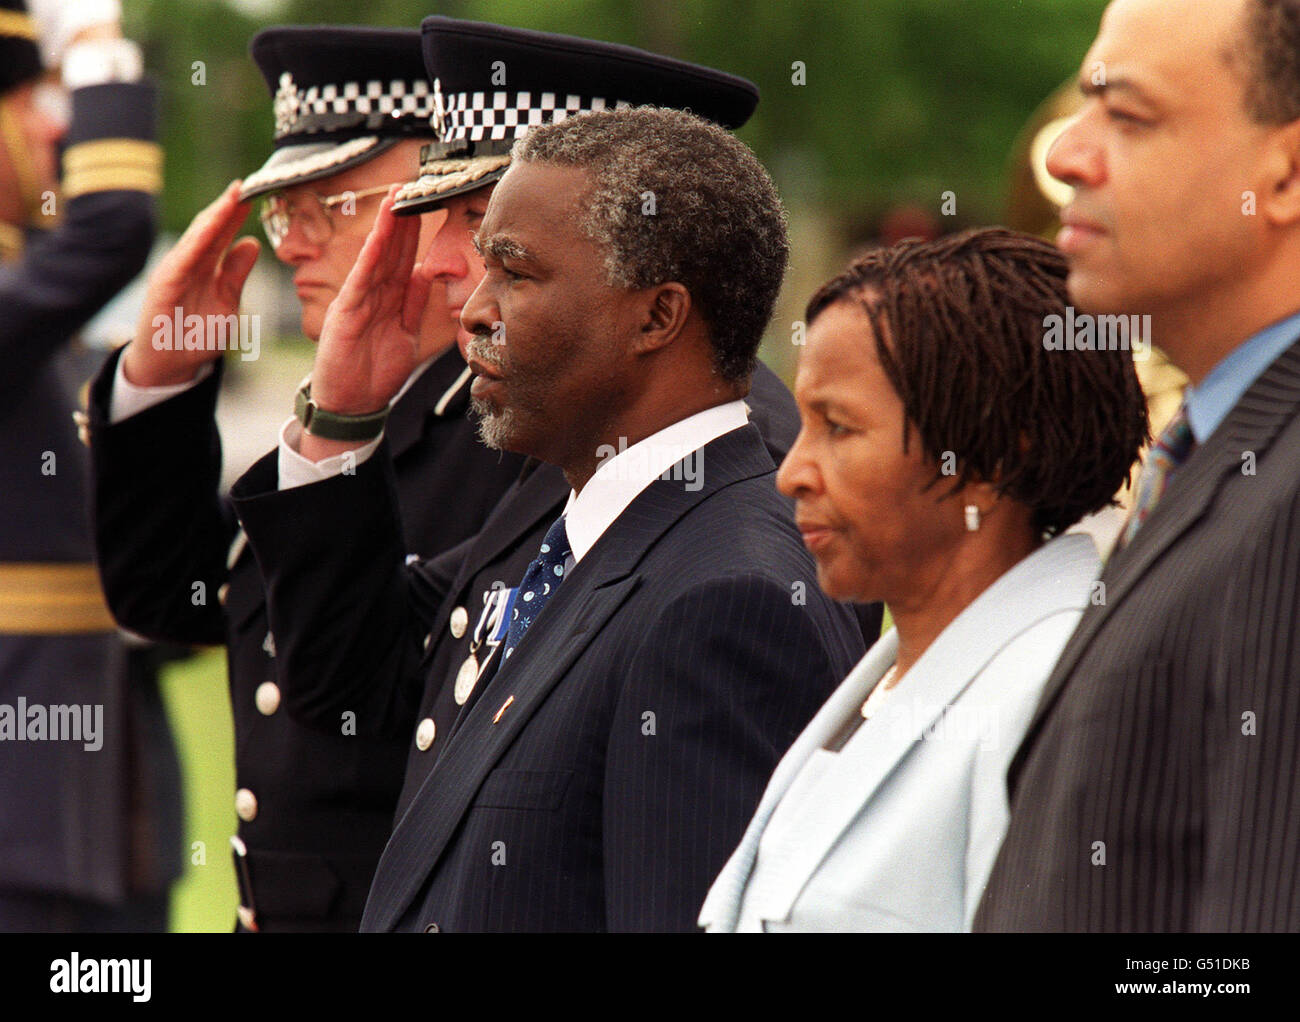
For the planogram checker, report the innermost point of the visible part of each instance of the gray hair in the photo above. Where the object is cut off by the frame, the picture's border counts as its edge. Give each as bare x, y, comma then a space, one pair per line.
674, 197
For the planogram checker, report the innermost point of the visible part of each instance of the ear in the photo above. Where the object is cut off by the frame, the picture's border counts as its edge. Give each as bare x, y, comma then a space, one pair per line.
983, 495
663, 311
1281, 204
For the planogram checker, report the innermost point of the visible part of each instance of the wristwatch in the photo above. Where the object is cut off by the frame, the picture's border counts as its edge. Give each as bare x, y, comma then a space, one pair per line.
331, 425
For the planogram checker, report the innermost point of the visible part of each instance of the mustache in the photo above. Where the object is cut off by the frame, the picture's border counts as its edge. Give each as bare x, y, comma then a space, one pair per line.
482, 347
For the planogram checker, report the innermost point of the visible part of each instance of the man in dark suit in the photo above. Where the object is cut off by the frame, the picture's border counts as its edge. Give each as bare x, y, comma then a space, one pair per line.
90, 814
610, 750
315, 807
470, 577
1155, 789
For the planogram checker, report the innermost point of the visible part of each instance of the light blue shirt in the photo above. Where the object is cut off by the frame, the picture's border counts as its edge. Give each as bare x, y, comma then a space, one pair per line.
1209, 404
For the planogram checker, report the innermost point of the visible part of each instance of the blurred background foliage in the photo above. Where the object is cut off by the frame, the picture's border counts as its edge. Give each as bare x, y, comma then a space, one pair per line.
904, 99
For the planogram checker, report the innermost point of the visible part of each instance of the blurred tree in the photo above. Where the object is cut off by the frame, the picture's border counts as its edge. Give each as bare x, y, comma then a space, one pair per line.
902, 100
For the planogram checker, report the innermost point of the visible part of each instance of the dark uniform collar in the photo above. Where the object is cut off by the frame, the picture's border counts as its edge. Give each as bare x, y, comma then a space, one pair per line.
441, 391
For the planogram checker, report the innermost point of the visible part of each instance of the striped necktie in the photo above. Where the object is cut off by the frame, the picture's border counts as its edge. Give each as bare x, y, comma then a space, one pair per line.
542, 578
1163, 460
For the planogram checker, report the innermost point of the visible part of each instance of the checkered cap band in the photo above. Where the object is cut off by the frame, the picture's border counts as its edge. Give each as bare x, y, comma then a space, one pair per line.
374, 104
480, 116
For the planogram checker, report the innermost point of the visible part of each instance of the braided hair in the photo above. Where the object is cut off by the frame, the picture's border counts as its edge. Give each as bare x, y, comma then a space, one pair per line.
960, 325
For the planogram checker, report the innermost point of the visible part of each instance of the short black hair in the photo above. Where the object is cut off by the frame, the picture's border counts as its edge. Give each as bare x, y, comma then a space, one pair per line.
1272, 50
718, 226
961, 324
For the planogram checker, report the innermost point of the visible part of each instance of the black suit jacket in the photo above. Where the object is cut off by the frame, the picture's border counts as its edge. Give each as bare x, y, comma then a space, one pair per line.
1156, 787
325, 797
98, 825
643, 712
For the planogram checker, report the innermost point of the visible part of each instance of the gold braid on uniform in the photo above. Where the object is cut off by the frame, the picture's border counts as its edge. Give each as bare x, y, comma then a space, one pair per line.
962, 320
112, 164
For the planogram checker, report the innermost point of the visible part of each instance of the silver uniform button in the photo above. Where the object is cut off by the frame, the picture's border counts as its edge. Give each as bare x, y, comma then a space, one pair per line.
267, 698
246, 805
425, 733
459, 622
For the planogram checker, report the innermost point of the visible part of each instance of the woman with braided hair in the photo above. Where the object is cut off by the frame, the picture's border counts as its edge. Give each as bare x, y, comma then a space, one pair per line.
944, 451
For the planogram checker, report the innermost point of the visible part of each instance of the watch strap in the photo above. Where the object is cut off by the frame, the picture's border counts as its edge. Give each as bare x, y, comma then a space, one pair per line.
332, 425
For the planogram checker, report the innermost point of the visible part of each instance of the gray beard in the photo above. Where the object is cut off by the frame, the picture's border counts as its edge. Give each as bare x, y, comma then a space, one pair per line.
494, 428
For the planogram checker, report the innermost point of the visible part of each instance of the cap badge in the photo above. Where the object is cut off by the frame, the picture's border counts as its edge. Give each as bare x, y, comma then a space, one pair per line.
286, 104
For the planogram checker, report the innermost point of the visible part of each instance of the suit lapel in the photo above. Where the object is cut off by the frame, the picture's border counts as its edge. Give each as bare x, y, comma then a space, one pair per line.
1251, 426
537, 497
580, 608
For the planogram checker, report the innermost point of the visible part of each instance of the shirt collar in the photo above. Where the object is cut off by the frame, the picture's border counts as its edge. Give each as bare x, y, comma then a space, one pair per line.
626, 471
1209, 404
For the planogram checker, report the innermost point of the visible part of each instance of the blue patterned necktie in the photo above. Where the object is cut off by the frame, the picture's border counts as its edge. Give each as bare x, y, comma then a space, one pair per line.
1167, 454
541, 580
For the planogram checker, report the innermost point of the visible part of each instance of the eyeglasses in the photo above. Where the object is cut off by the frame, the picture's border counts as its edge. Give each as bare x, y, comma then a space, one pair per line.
312, 213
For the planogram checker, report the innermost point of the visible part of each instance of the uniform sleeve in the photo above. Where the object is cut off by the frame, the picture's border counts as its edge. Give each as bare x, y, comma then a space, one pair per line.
162, 531
348, 614
112, 171
708, 712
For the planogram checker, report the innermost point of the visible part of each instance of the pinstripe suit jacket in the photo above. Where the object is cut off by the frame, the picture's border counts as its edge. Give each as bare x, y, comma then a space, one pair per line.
600, 779
1156, 787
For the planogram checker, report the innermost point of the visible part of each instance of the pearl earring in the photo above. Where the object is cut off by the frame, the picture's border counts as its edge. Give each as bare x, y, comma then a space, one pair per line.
972, 518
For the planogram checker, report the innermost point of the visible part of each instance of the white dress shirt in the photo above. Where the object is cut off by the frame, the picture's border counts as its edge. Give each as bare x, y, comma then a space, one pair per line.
624, 474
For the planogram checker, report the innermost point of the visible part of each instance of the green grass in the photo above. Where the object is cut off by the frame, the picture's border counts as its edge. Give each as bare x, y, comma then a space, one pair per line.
198, 703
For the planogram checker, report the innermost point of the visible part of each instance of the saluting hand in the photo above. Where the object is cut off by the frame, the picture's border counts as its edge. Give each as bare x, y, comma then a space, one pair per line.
202, 275
369, 343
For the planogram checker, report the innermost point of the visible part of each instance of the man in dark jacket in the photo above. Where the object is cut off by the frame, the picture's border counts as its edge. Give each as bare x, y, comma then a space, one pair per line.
90, 818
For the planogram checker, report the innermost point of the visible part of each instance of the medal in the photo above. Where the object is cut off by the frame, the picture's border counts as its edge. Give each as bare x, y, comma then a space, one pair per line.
495, 622
465, 678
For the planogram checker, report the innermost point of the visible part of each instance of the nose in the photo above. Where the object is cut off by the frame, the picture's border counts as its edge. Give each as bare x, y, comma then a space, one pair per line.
1074, 157
446, 259
479, 315
798, 475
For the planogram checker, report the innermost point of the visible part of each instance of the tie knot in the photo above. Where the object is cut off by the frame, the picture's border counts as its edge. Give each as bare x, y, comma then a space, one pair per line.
555, 547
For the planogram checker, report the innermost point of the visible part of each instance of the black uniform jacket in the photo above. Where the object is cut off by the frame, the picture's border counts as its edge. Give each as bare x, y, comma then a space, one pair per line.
321, 801
652, 698
97, 824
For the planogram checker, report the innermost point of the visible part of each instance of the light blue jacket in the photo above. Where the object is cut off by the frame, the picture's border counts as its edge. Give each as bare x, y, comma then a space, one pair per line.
901, 829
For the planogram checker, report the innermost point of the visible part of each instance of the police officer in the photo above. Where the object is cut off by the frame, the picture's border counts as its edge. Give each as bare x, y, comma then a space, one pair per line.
90, 819
351, 106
